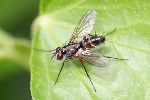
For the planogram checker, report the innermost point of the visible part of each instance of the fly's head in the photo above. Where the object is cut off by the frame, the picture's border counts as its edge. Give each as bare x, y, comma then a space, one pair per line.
58, 53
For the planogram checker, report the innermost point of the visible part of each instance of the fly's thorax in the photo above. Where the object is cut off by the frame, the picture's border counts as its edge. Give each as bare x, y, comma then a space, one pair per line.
78, 54
70, 50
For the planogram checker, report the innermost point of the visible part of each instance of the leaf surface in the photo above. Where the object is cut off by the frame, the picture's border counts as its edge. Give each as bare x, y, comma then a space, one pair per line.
121, 79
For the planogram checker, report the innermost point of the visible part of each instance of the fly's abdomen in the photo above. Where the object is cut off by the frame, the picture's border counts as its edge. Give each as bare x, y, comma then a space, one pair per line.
93, 42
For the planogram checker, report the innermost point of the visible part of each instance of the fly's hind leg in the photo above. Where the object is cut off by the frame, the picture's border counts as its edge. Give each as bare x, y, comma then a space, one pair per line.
114, 58
87, 74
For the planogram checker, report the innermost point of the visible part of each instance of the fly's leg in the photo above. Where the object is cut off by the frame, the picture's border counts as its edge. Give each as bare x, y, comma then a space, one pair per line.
90, 35
60, 70
88, 75
111, 32
114, 58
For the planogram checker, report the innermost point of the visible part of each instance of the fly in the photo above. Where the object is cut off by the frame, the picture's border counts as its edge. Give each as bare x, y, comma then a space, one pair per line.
80, 45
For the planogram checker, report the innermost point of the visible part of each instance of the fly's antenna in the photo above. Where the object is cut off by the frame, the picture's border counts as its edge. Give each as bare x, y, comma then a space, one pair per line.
110, 32
46, 51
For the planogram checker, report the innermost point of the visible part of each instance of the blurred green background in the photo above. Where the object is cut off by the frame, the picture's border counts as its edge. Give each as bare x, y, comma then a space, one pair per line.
16, 17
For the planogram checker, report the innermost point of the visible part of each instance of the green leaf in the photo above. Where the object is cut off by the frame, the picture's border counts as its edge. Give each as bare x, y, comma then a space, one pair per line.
121, 79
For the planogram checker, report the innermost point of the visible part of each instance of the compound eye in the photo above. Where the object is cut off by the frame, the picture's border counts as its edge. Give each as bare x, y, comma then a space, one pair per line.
58, 48
59, 56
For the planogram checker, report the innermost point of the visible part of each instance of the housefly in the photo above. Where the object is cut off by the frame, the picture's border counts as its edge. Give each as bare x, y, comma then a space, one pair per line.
80, 45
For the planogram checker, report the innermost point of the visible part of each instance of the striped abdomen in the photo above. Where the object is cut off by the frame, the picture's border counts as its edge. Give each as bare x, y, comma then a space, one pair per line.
92, 42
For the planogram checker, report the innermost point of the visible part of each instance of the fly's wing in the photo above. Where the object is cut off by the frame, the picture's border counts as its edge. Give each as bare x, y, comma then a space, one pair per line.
84, 27
94, 59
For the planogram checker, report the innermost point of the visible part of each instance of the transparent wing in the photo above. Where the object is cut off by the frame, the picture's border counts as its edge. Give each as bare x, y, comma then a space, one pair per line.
84, 27
94, 59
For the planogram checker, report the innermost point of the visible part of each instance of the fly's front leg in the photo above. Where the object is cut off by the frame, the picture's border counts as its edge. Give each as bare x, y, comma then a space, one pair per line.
60, 70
